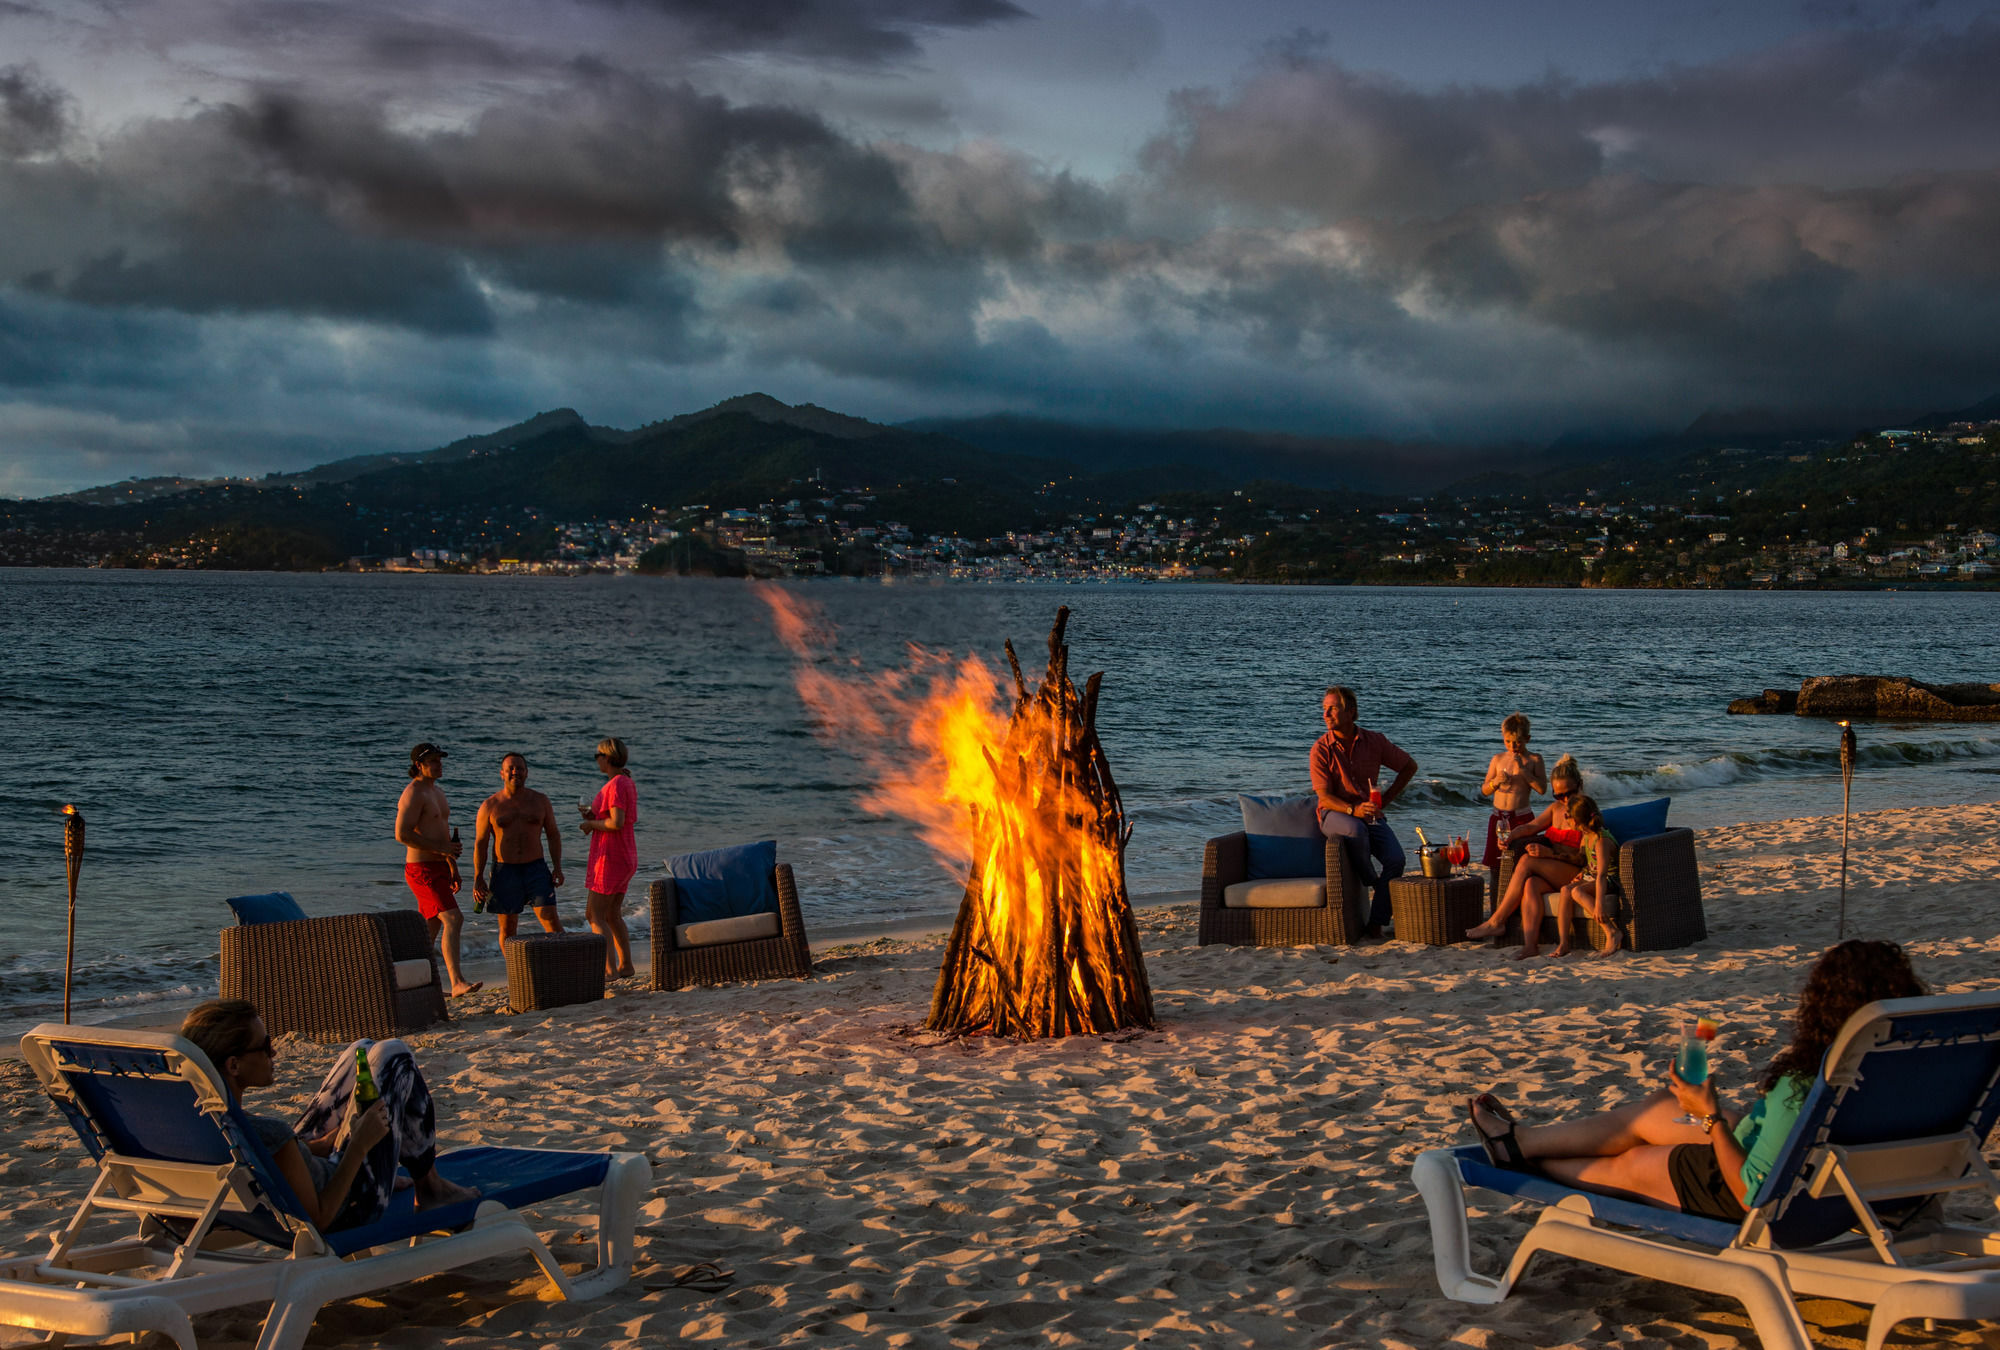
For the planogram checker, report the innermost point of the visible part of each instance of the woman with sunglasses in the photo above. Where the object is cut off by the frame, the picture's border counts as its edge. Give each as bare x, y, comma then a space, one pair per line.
609, 820
341, 1162
1550, 856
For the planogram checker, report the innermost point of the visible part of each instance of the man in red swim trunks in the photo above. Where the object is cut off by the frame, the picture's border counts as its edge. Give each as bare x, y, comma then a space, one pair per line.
430, 858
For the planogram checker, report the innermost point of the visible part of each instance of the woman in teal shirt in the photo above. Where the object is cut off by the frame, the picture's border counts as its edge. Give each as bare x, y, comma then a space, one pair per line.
1713, 1165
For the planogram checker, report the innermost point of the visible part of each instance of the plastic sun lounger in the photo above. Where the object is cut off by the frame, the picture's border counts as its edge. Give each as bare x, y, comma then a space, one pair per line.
1892, 1127
172, 1151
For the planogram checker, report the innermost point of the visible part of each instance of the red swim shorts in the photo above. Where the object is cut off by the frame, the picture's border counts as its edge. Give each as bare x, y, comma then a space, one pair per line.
430, 882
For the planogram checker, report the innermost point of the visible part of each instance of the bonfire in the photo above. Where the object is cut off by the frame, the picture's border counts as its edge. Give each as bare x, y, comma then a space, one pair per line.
1045, 944
1013, 790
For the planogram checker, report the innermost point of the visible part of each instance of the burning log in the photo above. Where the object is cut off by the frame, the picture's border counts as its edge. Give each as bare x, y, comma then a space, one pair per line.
1045, 944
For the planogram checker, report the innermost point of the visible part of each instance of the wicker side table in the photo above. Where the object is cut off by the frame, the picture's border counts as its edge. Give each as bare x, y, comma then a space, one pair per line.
547, 970
1436, 910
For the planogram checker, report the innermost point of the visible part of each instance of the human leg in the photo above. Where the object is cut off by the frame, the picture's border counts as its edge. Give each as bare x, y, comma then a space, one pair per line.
1652, 1119
1638, 1172
412, 1140
1388, 851
1533, 888
453, 922
1354, 839
551, 920
506, 923
1561, 901
606, 915
1496, 922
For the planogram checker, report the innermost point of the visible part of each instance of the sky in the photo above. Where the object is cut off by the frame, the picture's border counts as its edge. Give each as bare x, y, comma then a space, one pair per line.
239, 236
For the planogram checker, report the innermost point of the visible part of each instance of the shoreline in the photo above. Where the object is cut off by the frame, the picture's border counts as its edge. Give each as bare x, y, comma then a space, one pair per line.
1237, 1176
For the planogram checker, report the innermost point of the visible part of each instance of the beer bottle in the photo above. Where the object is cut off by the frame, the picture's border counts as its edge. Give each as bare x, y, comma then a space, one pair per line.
365, 1091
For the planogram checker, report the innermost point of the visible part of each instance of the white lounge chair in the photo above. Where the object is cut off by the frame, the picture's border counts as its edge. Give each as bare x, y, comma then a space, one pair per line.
1893, 1126
218, 1227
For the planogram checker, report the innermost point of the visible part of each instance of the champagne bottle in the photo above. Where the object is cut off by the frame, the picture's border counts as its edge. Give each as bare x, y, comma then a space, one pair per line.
365, 1091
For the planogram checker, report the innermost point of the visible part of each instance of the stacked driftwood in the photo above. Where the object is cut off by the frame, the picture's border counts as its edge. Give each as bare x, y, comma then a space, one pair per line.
1062, 957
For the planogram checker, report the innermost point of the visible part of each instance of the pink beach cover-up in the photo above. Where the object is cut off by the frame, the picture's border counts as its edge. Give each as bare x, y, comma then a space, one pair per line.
614, 856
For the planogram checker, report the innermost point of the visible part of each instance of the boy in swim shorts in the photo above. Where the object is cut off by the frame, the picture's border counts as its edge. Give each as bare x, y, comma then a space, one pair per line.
430, 857
1513, 777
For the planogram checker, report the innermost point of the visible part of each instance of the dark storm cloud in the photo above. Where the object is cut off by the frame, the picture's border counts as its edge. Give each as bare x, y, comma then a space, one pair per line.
35, 115
851, 30
1305, 134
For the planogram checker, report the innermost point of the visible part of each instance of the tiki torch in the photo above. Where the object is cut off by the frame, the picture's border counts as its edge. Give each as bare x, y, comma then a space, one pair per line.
1846, 799
73, 863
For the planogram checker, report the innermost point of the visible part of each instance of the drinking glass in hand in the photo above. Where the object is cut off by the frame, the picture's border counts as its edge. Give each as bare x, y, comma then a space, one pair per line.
1691, 1061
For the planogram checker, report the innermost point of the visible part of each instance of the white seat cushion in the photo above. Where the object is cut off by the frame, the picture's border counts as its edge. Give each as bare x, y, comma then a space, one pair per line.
1276, 893
413, 974
715, 932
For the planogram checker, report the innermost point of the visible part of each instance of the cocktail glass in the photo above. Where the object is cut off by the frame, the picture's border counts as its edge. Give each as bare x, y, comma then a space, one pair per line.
1691, 1060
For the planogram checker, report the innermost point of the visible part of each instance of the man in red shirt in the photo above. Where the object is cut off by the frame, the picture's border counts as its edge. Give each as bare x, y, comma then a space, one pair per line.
1345, 763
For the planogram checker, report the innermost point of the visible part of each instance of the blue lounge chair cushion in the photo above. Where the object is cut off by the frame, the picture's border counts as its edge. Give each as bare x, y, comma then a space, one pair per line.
1476, 1171
515, 1177
270, 907
1637, 820
1281, 855
726, 883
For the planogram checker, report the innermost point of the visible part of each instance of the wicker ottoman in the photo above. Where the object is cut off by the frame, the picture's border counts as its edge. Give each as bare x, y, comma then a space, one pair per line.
547, 970
1436, 910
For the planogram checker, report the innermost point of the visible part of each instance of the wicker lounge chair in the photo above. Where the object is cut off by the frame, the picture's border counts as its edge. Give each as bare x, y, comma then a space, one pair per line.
1662, 906
724, 951
1892, 1127
1279, 912
218, 1227
341, 978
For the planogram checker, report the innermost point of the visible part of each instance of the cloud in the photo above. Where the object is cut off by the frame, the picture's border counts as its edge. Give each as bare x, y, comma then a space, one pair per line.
35, 115
852, 30
1305, 135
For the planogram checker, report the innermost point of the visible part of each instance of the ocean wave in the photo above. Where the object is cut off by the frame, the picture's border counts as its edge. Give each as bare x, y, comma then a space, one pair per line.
1749, 765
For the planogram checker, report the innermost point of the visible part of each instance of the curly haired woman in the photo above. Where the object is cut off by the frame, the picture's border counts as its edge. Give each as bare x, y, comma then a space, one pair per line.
1643, 1150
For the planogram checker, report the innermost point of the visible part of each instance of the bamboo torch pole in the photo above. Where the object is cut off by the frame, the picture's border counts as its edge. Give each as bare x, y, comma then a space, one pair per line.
72, 863
1847, 752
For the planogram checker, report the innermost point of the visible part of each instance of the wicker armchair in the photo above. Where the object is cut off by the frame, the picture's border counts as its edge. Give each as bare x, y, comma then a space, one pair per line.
785, 956
1338, 923
1662, 906
334, 979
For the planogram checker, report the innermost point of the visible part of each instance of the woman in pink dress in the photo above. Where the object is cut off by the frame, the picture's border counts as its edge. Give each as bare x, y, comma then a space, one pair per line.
614, 855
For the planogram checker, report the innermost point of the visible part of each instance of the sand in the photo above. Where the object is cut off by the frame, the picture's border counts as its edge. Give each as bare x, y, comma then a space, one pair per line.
1237, 1177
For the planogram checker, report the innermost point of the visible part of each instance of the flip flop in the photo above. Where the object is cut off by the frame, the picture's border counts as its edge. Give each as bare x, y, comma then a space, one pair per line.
1503, 1150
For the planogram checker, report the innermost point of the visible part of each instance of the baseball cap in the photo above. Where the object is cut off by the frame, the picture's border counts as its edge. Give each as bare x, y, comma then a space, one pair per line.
424, 749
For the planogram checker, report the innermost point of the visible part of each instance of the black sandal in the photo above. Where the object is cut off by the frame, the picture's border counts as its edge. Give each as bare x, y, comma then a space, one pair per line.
1503, 1150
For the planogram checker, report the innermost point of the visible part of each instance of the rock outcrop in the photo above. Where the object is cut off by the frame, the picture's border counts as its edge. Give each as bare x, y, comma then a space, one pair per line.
1885, 696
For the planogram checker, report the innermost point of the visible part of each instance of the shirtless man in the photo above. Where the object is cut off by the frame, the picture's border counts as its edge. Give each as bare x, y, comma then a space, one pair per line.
512, 824
430, 858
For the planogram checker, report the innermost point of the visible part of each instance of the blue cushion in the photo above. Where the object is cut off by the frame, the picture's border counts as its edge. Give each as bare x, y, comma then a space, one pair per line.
726, 883
271, 907
1637, 820
1296, 817
1286, 855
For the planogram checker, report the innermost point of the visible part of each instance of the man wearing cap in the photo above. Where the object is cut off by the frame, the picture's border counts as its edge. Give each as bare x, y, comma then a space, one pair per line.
430, 858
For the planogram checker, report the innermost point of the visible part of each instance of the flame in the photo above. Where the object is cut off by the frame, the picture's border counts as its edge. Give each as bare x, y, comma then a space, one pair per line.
69, 808
992, 789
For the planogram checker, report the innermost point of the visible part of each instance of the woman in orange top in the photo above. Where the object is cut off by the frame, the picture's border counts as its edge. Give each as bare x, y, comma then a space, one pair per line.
1551, 856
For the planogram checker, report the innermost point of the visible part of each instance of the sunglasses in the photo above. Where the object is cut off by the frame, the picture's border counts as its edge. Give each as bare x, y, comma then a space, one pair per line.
1564, 796
262, 1047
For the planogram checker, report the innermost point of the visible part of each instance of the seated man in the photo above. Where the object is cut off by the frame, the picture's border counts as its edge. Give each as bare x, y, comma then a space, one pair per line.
1345, 764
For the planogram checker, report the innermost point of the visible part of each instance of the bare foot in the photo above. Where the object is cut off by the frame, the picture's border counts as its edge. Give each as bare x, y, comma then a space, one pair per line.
1482, 932
625, 972
1562, 949
435, 1191
1614, 938
461, 989
1527, 953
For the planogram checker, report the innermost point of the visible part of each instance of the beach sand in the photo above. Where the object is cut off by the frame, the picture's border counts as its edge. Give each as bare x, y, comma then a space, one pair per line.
1238, 1176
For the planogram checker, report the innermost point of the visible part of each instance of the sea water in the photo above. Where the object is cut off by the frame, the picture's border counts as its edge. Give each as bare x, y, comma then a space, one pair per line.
226, 733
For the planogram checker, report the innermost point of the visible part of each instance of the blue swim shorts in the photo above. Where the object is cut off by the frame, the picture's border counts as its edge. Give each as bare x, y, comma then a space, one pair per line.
516, 885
